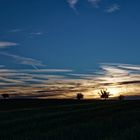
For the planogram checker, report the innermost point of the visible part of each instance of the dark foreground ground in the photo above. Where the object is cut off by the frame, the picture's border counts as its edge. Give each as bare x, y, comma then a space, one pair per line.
69, 120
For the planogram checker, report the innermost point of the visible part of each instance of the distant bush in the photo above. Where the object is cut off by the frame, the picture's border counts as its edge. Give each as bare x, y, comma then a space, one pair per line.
121, 97
104, 94
5, 96
80, 96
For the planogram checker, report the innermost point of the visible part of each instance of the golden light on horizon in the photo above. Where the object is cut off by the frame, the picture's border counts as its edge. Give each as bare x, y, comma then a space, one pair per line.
115, 91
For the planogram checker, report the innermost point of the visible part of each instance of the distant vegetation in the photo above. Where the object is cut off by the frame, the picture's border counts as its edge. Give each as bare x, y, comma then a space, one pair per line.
80, 96
5, 96
121, 97
104, 94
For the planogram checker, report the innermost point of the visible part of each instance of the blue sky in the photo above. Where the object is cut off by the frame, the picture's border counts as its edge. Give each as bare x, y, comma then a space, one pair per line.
77, 35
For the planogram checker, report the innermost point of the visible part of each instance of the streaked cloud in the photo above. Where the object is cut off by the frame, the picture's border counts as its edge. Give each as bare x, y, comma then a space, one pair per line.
24, 60
49, 70
60, 83
72, 4
113, 71
37, 33
15, 30
5, 44
130, 67
113, 8
95, 3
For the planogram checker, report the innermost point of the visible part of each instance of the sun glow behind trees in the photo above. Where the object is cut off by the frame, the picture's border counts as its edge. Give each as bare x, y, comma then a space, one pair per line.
62, 83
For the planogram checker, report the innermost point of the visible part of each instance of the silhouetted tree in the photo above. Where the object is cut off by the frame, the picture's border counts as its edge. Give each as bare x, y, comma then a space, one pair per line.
80, 96
121, 97
5, 96
104, 94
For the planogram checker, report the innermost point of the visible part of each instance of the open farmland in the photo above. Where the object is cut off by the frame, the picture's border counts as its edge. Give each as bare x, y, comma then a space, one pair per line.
69, 120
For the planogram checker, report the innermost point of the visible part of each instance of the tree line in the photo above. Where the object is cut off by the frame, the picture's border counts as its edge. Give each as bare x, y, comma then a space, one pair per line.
104, 94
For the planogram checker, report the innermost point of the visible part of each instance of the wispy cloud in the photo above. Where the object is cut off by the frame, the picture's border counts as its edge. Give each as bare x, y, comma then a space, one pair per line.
95, 3
37, 33
49, 70
130, 67
5, 44
24, 60
113, 71
119, 74
113, 8
72, 4
15, 30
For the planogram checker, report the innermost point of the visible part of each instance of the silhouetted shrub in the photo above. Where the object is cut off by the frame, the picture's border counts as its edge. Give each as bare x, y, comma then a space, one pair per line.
104, 94
80, 96
5, 96
121, 97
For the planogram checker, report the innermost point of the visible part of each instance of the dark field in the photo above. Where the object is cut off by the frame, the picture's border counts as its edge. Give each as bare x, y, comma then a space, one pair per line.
69, 120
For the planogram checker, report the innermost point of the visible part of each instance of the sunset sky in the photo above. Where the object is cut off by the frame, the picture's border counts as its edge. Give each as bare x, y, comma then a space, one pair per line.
57, 48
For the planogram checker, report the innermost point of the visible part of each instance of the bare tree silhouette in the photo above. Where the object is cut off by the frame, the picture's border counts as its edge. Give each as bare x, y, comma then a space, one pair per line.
80, 96
5, 96
104, 94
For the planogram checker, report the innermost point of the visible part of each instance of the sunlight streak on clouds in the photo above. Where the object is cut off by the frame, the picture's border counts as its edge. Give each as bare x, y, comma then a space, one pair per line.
5, 44
119, 79
130, 67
